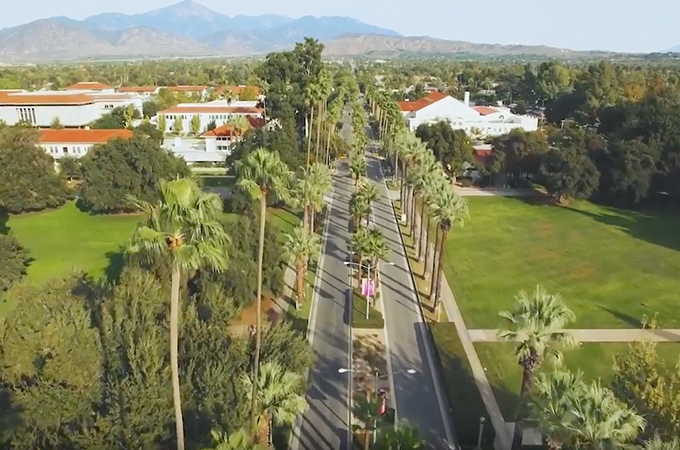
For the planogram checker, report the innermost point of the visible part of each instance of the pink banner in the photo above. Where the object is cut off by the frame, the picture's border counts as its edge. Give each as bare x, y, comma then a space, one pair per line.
367, 287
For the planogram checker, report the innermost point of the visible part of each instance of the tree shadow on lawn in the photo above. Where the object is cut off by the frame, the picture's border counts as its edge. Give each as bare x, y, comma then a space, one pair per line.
4, 220
654, 227
630, 320
116, 264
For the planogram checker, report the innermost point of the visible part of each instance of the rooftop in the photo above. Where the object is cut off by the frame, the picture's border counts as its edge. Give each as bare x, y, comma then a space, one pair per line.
207, 109
417, 105
44, 99
88, 85
68, 136
137, 88
186, 88
485, 110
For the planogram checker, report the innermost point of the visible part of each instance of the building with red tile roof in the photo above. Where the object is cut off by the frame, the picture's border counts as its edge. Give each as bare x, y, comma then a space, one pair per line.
89, 86
484, 120
75, 143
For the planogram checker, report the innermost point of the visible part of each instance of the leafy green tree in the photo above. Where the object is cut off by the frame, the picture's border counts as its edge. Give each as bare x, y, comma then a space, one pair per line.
70, 168
302, 245
196, 124
129, 114
14, 259
627, 168
366, 409
182, 229
279, 401
259, 174
56, 123
451, 147
521, 153
402, 437
358, 209
120, 168
178, 125
148, 131
240, 124
538, 320
568, 172
248, 93
117, 119
150, 109
51, 366
357, 167
211, 126
162, 123
28, 181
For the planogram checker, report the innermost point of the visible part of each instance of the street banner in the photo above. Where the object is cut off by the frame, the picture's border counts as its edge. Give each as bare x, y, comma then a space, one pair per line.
367, 287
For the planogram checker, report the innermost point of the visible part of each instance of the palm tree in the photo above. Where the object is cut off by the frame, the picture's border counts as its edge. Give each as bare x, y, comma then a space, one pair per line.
402, 437
261, 173
601, 421
448, 209
278, 398
369, 192
366, 410
376, 249
312, 95
333, 116
302, 245
551, 405
360, 242
239, 124
308, 191
657, 444
239, 440
325, 84
358, 209
357, 168
539, 320
182, 229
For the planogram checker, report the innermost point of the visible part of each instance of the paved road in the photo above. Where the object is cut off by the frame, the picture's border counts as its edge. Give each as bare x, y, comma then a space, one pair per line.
417, 396
325, 424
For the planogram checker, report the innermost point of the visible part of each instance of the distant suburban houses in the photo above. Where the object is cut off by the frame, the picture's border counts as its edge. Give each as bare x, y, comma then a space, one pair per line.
484, 120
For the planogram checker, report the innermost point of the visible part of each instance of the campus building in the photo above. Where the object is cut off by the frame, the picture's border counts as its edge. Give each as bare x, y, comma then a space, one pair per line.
484, 120
218, 111
75, 143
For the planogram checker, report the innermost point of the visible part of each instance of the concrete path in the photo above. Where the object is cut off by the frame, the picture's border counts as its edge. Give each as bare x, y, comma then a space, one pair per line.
419, 397
596, 335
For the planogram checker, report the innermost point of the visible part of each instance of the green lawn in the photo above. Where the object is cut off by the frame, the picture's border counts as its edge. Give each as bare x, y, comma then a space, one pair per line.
359, 320
217, 181
284, 219
612, 267
67, 239
595, 360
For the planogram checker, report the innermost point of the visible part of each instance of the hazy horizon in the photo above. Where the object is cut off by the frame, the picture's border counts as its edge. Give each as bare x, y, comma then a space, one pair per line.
621, 25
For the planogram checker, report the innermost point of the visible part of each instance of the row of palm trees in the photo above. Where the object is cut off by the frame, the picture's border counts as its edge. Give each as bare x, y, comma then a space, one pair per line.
568, 412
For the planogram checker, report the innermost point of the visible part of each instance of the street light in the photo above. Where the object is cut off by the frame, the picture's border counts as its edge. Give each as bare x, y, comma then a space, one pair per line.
378, 377
368, 267
481, 430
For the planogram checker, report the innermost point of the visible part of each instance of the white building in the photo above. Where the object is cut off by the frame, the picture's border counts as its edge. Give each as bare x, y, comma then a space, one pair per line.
146, 92
219, 111
76, 143
488, 121
40, 108
211, 146
90, 86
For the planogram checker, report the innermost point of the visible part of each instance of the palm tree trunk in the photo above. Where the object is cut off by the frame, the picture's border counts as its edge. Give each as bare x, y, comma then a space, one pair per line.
440, 269
318, 130
174, 349
423, 237
518, 434
412, 211
258, 318
328, 144
305, 217
434, 265
300, 282
309, 136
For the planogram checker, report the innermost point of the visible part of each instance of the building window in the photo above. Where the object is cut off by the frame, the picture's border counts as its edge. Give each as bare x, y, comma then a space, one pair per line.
65, 150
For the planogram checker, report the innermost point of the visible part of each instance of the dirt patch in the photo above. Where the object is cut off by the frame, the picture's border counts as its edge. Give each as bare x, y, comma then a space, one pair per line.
270, 310
545, 229
546, 255
367, 358
584, 271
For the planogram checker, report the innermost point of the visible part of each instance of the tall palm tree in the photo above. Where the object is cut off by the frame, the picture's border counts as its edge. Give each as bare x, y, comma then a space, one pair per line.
448, 209
551, 404
312, 95
239, 124
278, 399
302, 245
377, 248
311, 184
333, 116
357, 168
601, 421
358, 209
369, 192
360, 242
325, 84
538, 320
259, 174
402, 437
182, 229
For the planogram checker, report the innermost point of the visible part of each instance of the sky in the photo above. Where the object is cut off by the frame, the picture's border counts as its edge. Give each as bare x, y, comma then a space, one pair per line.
615, 25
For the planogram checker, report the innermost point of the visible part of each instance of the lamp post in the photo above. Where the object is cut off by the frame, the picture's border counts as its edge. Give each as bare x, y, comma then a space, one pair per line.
481, 430
376, 378
369, 267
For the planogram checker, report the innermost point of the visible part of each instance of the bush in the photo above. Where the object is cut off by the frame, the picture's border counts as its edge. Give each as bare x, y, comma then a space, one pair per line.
13, 258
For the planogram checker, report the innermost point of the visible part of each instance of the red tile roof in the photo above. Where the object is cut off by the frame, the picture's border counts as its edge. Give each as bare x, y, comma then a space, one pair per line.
67, 136
228, 130
485, 110
137, 88
419, 104
186, 88
91, 85
46, 99
213, 109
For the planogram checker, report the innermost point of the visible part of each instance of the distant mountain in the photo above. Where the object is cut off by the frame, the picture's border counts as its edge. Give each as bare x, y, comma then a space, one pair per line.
382, 46
183, 28
675, 49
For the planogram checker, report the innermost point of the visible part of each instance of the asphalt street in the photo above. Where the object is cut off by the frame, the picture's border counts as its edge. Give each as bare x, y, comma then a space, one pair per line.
419, 397
325, 425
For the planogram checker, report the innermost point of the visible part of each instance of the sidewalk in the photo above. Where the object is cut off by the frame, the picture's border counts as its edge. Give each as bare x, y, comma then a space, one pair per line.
596, 335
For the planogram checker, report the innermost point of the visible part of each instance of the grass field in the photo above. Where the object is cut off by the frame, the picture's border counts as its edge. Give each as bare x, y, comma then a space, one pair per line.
612, 267
595, 360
